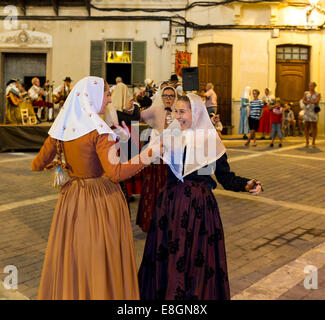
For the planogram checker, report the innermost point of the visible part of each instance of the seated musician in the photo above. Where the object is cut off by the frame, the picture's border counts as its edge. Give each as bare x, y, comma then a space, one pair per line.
61, 93
37, 95
13, 98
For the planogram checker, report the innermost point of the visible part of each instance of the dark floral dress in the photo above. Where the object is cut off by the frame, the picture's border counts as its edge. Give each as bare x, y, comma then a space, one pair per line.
184, 256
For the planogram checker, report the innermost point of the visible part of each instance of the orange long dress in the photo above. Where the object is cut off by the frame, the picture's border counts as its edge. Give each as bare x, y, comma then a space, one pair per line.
90, 251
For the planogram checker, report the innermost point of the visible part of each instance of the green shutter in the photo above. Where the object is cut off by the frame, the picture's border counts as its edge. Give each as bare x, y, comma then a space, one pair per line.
139, 62
97, 58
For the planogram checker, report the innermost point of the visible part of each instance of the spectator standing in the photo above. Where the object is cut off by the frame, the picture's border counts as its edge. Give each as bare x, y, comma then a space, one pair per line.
277, 121
289, 118
173, 82
311, 99
265, 122
255, 113
243, 120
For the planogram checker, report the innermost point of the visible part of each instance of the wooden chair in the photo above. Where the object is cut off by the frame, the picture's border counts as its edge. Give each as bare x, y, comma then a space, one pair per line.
24, 116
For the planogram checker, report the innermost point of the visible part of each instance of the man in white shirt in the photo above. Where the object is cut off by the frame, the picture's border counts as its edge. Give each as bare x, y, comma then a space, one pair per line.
117, 80
36, 94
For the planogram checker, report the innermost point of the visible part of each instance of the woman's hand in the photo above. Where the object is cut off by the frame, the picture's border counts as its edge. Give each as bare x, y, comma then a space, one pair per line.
254, 187
124, 131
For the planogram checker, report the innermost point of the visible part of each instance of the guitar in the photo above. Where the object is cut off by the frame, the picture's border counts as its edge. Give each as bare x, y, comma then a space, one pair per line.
15, 99
61, 97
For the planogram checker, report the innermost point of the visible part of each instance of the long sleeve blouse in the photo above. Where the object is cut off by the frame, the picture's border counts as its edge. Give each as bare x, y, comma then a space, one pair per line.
221, 169
88, 157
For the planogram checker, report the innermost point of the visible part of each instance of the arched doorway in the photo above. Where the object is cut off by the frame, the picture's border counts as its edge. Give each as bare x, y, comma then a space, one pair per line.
215, 66
292, 73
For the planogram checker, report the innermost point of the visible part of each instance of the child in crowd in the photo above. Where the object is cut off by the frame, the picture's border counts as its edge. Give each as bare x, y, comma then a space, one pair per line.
289, 117
277, 120
255, 113
215, 119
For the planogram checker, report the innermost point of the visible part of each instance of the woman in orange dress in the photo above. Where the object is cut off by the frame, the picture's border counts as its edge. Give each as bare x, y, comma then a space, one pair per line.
90, 252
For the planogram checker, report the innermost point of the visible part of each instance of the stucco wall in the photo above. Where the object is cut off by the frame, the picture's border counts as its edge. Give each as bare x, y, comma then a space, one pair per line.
254, 58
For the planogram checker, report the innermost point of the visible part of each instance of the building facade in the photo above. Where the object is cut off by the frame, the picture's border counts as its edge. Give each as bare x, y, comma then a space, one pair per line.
274, 44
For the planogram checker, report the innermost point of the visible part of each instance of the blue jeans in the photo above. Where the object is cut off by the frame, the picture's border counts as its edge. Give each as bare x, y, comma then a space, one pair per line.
276, 128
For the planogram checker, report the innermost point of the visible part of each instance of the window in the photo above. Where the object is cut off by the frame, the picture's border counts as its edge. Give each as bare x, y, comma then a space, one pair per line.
292, 53
118, 51
118, 58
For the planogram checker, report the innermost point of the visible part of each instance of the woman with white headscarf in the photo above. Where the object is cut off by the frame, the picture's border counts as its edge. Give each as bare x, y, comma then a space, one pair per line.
154, 177
90, 253
243, 120
184, 256
158, 92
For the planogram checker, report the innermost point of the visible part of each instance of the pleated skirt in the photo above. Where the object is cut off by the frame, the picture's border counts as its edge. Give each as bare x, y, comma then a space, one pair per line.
90, 251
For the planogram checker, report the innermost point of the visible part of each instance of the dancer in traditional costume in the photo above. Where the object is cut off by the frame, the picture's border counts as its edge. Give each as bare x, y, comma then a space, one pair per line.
90, 251
184, 256
131, 113
158, 117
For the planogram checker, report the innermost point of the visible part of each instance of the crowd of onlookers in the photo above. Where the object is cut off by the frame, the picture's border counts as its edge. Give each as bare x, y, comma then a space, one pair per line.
270, 115
267, 115
145, 96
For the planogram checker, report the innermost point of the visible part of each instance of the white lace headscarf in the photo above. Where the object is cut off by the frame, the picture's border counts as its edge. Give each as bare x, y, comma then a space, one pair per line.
79, 114
246, 93
155, 115
203, 144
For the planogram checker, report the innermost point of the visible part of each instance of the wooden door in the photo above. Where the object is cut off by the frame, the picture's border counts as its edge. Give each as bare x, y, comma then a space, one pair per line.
292, 78
215, 66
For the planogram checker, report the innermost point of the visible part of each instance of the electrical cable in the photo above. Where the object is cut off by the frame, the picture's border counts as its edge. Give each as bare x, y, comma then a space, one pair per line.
174, 20
188, 7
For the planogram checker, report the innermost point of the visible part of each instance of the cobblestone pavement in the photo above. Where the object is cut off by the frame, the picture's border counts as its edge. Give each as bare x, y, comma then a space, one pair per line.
270, 239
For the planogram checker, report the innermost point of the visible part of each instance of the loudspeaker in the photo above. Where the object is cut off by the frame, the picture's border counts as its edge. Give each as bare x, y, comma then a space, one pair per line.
190, 79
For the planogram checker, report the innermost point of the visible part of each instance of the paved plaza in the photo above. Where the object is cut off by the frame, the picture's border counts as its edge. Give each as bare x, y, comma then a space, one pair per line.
270, 239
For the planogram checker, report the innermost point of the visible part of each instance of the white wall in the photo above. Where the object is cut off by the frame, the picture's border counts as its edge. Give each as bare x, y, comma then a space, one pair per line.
253, 50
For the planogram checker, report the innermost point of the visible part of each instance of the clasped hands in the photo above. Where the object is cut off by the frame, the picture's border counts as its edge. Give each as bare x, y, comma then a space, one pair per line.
254, 187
